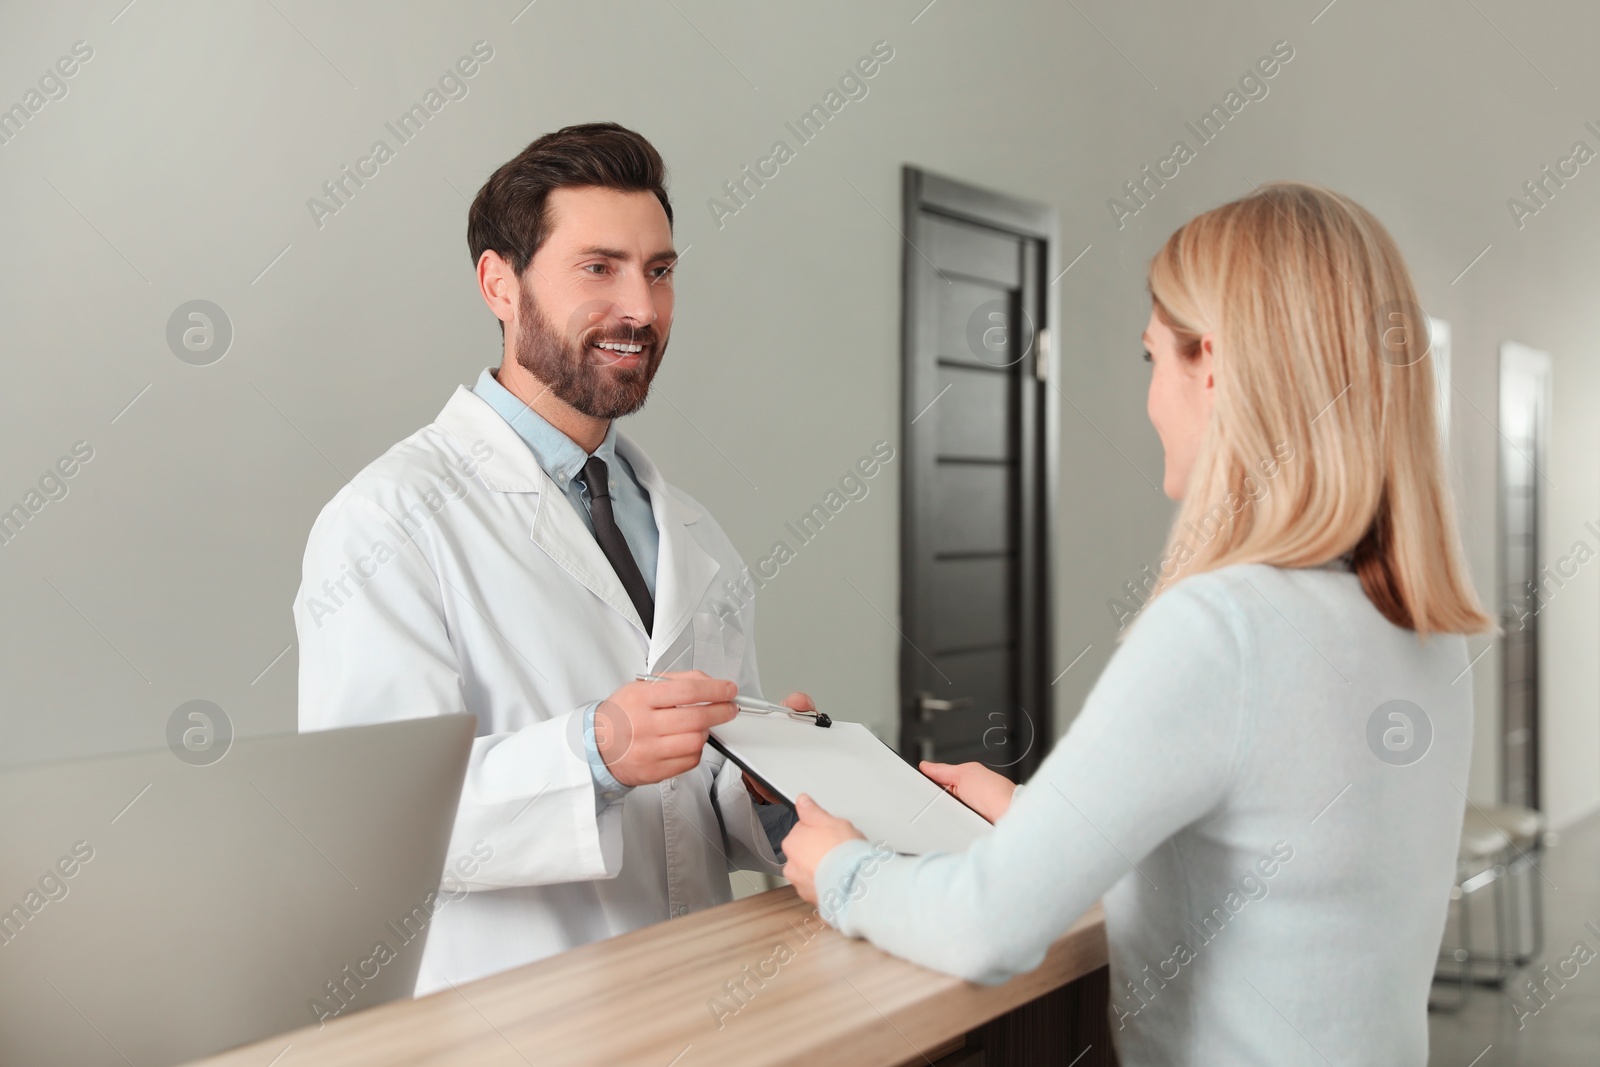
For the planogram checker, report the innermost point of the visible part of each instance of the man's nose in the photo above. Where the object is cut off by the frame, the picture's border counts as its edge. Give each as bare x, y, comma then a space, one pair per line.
635, 301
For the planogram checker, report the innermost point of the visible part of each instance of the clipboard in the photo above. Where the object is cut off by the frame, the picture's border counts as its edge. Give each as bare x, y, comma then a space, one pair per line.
853, 775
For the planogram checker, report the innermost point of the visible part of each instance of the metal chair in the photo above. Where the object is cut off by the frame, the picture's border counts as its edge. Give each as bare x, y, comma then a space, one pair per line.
1524, 829
1499, 843
1478, 863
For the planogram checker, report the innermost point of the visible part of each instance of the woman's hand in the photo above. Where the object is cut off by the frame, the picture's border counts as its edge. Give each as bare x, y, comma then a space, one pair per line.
812, 838
976, 786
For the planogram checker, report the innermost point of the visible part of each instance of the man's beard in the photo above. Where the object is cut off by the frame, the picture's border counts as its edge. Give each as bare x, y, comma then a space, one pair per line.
580, 375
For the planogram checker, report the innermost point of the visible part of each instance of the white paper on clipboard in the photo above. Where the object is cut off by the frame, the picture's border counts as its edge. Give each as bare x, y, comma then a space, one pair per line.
853, 775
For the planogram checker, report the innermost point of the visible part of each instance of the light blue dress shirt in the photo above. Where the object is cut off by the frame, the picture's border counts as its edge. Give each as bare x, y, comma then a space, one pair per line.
563, 461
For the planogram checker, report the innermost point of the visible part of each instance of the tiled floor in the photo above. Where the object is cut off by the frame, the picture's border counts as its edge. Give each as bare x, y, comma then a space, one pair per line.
1487, 1032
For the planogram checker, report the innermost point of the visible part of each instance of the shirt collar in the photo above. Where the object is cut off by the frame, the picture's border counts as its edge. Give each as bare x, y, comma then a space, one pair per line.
561, 457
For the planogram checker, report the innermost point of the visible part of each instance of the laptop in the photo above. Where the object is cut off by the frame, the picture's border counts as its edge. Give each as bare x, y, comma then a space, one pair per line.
153, 911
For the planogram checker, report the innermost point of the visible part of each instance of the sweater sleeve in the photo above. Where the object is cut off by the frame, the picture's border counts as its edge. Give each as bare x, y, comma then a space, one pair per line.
1154, 749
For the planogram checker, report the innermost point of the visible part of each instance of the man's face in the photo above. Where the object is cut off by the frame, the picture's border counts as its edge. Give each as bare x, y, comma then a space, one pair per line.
596, 301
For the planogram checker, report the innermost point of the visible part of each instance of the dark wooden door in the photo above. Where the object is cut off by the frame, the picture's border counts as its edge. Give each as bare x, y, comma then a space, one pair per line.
975, 520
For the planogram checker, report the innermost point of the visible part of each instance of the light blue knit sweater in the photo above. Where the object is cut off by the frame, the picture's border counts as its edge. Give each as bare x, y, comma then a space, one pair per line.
1274, 838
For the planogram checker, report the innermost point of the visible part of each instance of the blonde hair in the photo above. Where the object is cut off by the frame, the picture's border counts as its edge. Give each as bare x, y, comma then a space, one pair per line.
1324, 390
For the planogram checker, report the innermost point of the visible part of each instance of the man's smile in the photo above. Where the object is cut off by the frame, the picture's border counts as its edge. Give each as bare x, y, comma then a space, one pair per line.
620, 353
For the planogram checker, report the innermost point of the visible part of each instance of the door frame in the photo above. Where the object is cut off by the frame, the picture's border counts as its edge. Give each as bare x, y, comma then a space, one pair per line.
1534, 367
923, 192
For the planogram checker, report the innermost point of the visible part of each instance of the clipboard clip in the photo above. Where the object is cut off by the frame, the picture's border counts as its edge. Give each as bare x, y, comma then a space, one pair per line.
759, 707
763, 707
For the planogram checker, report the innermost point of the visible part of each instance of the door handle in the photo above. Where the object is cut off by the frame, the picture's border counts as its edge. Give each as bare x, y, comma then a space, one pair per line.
927, 704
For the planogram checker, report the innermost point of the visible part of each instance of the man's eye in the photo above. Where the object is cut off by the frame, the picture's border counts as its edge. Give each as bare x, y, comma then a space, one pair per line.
595, 268
662, 272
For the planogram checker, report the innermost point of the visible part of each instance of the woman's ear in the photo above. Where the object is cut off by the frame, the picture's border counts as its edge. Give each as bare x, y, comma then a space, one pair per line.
1205, 362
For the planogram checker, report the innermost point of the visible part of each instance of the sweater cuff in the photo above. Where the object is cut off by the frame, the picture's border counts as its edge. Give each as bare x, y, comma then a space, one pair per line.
837, 883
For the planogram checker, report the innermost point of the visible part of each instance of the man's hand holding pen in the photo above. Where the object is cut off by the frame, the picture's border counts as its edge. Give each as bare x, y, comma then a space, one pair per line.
655, 727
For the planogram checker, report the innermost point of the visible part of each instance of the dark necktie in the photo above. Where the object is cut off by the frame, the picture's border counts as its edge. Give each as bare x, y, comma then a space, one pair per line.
597, 480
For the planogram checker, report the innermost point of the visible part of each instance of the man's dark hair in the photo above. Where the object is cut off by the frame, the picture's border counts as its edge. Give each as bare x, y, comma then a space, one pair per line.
509, 213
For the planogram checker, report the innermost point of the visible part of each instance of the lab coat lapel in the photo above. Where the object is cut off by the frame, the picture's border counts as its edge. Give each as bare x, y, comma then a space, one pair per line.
566, 540
556, 528
684, 569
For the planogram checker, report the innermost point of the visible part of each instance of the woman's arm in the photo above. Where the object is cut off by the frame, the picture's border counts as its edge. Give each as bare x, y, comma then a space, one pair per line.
1154, 749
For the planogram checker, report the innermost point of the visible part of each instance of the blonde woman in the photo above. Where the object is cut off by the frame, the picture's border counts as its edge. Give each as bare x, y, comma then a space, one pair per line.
1265, 785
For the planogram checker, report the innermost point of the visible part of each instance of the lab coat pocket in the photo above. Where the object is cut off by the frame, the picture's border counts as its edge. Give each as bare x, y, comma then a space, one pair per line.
718, 646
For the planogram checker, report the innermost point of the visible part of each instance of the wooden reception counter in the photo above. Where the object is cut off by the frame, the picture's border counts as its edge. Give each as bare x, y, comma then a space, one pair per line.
760, 981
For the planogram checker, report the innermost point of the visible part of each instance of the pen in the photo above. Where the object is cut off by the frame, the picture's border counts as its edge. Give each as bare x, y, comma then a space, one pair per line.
757, 707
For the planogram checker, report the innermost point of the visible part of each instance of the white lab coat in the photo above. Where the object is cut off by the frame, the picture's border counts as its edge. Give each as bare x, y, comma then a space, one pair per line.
453, 575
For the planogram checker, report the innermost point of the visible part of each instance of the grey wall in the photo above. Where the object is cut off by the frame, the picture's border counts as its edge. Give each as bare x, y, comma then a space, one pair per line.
179, 163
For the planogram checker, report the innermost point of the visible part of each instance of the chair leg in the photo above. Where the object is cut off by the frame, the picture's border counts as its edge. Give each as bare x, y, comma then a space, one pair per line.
1512, 950
1535, 905
1462, 956
1502, 938
1512, 953
1499, 957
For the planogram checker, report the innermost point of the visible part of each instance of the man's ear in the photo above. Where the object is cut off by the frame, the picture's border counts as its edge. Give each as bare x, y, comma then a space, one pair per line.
499, 285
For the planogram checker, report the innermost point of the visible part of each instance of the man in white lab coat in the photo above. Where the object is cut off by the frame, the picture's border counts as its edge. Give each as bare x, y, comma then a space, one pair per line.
520, 559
